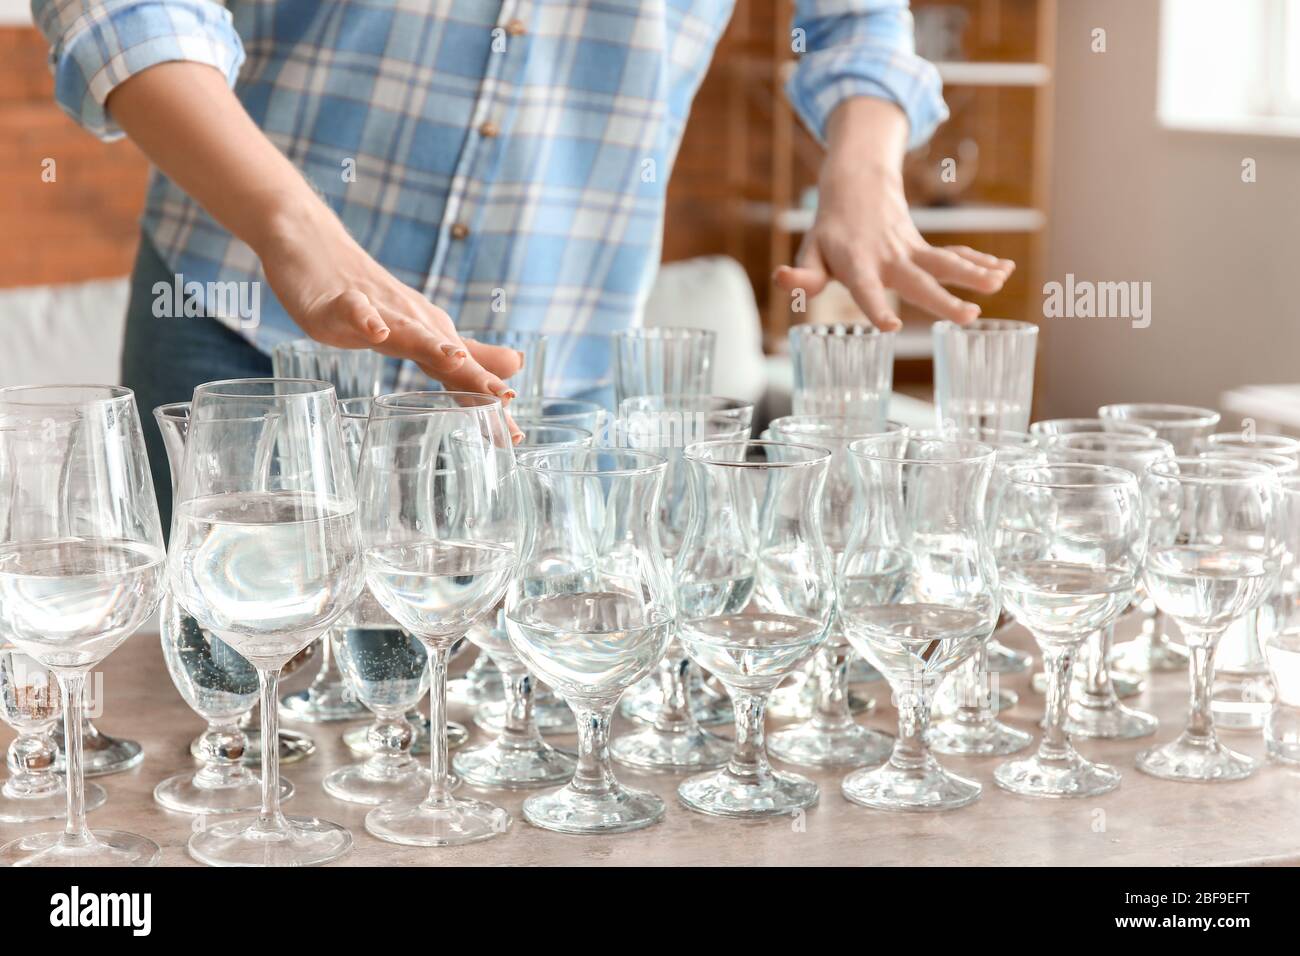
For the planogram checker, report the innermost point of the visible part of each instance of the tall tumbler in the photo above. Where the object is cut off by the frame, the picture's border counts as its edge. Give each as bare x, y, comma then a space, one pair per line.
984, 374
663, 361
845, 369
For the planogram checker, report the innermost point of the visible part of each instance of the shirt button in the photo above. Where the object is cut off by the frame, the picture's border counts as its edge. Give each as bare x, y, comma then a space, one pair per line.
516, 28
459, 231
489, 129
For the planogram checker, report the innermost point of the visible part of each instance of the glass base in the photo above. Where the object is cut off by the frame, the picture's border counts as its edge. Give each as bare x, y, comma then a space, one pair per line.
726, 795
183, 795
1241, 701
568, 811
808, 745
928, 787
103, 754
323, 704
358, 738
1072, 776
643, 701
294, 746
991, 738
1141, 656
422, 824
551, 717
513, 768
48, 805
1007, 660
861, 671
353, 784
1112, 722
109, 848
1197, 759
307, 841
651, 749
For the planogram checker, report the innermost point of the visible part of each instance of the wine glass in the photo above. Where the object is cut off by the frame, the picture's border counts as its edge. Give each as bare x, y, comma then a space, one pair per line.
439, 527
918, 594
354, 373
1069, 544
29, 703
1280, 635
843, 369
756, 594
1214, 550
81, 566
591, 611
830, 737
518, 758
1094, 708
663, 361
972, 727
1186, 427
264, 556
666, 425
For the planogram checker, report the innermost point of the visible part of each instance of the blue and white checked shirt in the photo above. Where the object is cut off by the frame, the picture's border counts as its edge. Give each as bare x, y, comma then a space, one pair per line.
510, 157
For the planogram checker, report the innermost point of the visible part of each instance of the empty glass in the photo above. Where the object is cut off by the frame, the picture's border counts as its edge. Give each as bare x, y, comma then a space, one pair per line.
1249, 441
984, 374
1214, 530
81, 568
663, 361
844, 369
756, 594
591, 611
830, 737
1280, 633
1049, 428
918, 594
1069, 545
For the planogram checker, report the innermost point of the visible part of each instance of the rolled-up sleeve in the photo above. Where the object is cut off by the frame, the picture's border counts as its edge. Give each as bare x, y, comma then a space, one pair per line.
97, 44
862, 48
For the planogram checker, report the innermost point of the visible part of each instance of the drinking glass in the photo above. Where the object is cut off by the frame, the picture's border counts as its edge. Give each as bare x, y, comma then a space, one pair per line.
756, 594
972, 727
1214, 550
591, 611
264, 556
666, 425
1280, 633
531, 377
663, 361
1094, 709
1186, 427
830, 737
844, 369
1250, 442
354, 373
918, 594
518, 758
1069, 547
81, 566
29, 703
439, 525
984, 374
1049, 428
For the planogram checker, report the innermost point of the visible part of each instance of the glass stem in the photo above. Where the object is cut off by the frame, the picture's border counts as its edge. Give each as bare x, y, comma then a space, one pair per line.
31, 761
831, 671
674, 715
593, 774
1057, 661
328, 674
1096, 674
910, 752
749, 758
517, 727
71, 686
1201, 645
439, 790
974, 695
269, 818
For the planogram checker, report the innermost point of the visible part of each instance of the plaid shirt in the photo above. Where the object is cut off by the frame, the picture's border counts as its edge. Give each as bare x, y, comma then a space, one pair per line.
509, 158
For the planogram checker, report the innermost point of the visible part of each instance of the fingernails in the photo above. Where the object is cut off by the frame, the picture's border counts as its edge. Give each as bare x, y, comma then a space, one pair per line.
454, 351
376, 327
509, 394
522, 358
516, 437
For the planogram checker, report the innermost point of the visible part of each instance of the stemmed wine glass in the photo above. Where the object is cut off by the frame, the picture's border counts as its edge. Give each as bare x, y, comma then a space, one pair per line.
591, 611
264, 556
1186, 427
1094, 708
756, 594
918, 594
1069, 544
439, 509
830, 737
81, 567
1214, 550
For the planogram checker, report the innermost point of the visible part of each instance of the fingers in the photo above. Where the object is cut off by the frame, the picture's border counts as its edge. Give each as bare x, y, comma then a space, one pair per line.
920, 288
497, 359
808, 273
347, 320
983, 259
952, 269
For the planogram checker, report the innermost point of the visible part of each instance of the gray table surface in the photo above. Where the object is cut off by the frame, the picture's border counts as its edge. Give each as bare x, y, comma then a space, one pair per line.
1145, 822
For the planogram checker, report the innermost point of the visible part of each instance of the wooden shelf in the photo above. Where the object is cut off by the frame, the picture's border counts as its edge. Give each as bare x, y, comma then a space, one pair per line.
957, 73
974, 217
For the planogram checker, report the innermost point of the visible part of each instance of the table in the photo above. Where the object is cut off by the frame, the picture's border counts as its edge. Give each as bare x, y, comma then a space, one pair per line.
1145, 822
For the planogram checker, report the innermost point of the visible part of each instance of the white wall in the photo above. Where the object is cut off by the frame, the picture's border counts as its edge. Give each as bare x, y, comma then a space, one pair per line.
15, 11
1132, 201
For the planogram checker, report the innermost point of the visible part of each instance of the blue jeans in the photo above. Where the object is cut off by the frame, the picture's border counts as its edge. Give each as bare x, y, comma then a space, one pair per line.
164, 359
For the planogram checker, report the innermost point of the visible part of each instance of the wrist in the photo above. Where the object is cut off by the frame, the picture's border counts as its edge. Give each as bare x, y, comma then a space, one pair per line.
288, 221
868, 133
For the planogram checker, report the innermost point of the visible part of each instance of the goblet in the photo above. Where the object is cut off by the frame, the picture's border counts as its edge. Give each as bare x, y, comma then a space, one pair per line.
29, 703
665, 425
843, 369
1186, 427
439, 511
81, 565
1280, 633
1069, 546
354, 373
756, 594
1094, 709
663, 361
591, 611
518, 758
830, 737
1214, 550
918, 594
264, 556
